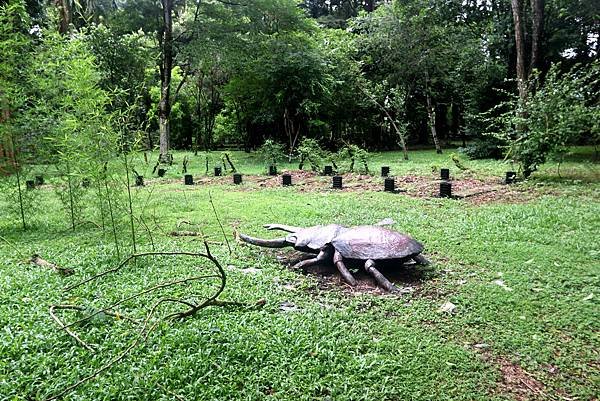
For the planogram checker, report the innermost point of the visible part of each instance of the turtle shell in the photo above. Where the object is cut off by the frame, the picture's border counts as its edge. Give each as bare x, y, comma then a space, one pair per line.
316, 237
377, 243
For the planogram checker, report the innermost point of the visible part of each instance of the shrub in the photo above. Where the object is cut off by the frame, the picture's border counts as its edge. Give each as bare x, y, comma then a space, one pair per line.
558, 112
486, 148
271, 152
310, 151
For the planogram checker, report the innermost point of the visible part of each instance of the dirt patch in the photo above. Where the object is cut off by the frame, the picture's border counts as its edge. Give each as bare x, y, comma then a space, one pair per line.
515, 382
409, 278
472, 190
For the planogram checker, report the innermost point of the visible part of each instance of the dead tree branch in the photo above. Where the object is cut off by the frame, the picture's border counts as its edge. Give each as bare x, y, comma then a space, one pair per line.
38, 261
65, 328
147, 326
218, 221
186, 234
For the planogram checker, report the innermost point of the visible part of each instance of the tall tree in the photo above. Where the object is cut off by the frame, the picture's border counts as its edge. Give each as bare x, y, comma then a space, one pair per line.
518, 17
166, 67
537, 26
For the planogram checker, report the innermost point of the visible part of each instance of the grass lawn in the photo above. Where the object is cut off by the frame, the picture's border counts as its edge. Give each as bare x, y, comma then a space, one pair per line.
523, 278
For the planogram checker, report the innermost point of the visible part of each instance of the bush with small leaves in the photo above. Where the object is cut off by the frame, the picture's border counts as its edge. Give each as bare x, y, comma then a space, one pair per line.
271, 152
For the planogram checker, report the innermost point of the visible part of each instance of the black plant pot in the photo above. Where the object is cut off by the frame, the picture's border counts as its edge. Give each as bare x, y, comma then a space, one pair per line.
218, 171
445, 174
389, 185
337, 182
511, 177
328, 170
237, 179
272, 170
30, 184
445, 190
162, 172
286, 180
188, 179
39, 180
139, 180
385, 171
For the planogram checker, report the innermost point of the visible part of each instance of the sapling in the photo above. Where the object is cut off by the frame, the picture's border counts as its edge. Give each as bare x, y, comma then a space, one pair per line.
355, 153
184, 163
271, 152
310, 150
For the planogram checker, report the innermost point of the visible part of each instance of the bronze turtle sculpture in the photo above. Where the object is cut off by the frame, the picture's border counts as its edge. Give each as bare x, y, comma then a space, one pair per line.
335, 243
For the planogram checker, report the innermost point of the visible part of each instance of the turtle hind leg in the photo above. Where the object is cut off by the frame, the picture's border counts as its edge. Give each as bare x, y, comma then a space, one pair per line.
380, 278
421, 260
338, 260
321, 257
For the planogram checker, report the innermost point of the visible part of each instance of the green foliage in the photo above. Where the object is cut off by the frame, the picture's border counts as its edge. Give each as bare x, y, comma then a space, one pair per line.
560, 110
67, 117
29, 200
341, 346
353, 154
122, 60
15, 48
310, 151
484, 148
271, 152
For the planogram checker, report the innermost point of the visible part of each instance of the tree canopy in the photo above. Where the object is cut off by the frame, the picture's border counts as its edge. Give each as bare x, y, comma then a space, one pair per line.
378, 74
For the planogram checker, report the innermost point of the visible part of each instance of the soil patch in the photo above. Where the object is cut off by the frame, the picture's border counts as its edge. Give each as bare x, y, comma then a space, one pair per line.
408, 278
515, 382
471, 190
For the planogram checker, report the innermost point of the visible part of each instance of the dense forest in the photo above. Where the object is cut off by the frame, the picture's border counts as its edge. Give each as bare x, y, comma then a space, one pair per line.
299, 200
495, 76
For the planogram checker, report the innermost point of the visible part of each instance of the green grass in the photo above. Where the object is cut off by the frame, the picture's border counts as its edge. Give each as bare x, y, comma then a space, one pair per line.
335, 345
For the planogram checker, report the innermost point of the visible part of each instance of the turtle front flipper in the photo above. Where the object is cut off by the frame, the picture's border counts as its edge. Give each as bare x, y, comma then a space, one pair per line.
338, 260
380, 278
322, 257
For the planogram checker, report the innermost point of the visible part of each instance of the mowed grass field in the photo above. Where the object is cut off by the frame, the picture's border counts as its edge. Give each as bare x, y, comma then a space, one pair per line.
509, 308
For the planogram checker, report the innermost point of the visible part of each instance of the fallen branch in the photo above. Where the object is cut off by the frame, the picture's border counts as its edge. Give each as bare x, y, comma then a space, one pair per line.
38, 261
135, 256
147, 326
475, 193
65, 328
146, 291
210, 199
185, 234
141, 338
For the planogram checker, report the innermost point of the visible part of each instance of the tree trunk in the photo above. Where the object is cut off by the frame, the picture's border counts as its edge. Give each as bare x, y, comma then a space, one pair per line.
537, 21
402, 141
7, 157
164, 106
392, 122
293, 132
517, 11
64, 16
431, 115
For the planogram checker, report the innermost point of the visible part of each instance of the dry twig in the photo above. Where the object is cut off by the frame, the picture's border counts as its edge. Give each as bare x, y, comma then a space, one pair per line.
210, 199
38, 261
146, 327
